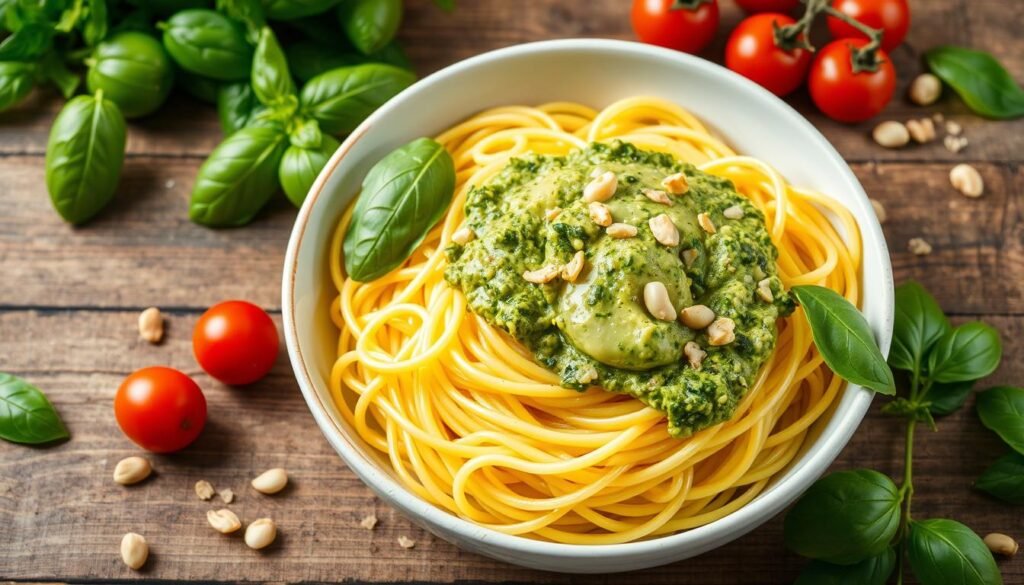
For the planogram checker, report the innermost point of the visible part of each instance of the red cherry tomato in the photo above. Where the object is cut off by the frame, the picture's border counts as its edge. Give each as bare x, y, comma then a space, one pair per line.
892, 16
160, 408
657, 23
755, 6
751, 52
844, 95
235, 342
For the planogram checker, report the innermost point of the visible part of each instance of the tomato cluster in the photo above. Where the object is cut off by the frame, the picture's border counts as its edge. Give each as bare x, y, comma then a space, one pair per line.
163, 410
842, 90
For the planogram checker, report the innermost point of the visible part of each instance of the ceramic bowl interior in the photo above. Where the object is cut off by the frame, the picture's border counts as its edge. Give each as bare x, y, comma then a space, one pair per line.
594, 72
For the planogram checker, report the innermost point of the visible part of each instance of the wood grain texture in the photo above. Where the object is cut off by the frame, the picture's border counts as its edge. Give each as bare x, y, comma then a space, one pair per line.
70, 297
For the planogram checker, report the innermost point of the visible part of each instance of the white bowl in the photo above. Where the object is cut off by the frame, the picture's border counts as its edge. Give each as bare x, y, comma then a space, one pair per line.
594, 72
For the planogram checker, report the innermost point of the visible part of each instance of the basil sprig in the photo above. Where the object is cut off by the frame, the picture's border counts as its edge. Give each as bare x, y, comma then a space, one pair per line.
403, 196
848, 522
844, 339
984, 85
26, 415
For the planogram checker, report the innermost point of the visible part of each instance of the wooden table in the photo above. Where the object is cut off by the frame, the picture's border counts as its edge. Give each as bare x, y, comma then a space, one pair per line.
70, 298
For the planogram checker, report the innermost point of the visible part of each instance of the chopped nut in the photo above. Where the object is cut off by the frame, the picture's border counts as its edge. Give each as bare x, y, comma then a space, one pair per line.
955, 144
597, 172
954, 128
722, 331
601, 188
260, 534
588, 375
134, 550
891, 134
676, 184
224, 521
664, 230
689, 256
552, 214
733, 212
406, 542
151, 325
1001, 544
697, 317
922, 130
227, 496
542, 275
925, 89
204, 490
463, 235
967, 180
270, 481
369, 523
764, 290
919, 247
657, 301
694, 354
879, 210
600, 213
657, 196
938, 118
131, 470
704, 220
572, 270
621, 230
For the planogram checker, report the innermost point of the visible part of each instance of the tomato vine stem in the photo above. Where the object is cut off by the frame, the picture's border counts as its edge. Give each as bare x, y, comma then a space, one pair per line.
795, 36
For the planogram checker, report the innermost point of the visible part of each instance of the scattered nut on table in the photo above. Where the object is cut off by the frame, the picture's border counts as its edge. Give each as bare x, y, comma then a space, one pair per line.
925, 89
922, 130
260, 534
369, 522
270, 481
151, 325
204, 490
227, 495
1001, 544
919, 247
132, 470
406, 542
224, 521
879, 210
967, 180
134, 550
891, 134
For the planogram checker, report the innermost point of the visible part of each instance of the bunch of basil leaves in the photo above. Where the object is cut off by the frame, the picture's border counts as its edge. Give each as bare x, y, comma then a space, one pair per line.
857, 525
132, 53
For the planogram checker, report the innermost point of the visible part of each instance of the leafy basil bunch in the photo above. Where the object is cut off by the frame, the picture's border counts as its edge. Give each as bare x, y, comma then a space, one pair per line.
208, 43
133, 71
850, 521
342, 98
370, 24
26, 415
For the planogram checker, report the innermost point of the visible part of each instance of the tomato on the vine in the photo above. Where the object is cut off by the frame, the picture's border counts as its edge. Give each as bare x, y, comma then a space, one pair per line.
892, 16
235, 342
755, 6
160, 408
843, 94
752, 52
687, 28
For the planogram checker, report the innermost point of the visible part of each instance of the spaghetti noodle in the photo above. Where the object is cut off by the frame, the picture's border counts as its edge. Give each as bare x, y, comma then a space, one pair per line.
471, 423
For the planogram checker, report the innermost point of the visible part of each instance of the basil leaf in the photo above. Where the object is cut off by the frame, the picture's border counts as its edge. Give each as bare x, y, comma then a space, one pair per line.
96, 25
946, 399
70, 17
165, 8
1005, 479
202, 88
292, 9
249, 13
968, 352
28, 43
84, 157
208, 43
239, 177
845, 517
945, 552
341, 99
370, 24
16, 81
56, 72
307, 59
26, 415
133, 71
403, 196
918, 323
1001, 409
271, 81
844, 339
872, 571
236, 105
984, 85
300, 167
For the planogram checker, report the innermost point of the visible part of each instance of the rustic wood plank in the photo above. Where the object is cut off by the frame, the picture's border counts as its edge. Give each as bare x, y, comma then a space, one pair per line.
187, 128
64, 516
144, 251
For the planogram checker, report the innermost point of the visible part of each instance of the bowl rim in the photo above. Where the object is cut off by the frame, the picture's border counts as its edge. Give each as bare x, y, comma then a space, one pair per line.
815, 460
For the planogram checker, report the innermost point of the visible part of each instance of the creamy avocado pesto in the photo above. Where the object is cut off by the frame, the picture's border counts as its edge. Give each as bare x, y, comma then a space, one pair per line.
597, 330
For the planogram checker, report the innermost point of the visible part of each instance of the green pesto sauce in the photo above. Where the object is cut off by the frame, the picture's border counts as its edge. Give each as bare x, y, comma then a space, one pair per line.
599, 323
